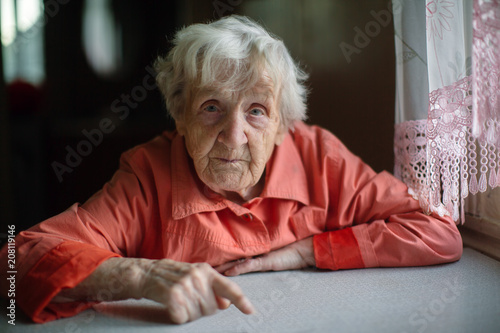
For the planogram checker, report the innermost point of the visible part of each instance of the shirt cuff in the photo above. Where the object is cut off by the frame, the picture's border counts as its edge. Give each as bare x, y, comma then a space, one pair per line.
337, 250
65, 266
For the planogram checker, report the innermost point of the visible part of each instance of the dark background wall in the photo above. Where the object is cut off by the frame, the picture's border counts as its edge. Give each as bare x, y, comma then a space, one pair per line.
350, 61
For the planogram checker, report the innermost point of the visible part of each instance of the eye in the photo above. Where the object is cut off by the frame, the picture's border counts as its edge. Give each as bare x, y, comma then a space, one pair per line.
210, 108
256, 112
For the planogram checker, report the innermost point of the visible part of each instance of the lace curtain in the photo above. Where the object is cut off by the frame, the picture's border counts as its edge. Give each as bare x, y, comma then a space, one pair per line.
447, 132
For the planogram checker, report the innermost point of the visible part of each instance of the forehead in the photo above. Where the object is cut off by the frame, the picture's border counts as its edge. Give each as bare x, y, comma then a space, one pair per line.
263, 87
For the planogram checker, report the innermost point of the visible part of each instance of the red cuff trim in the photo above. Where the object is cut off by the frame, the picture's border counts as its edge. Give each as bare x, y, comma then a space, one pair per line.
337, 250
65, 266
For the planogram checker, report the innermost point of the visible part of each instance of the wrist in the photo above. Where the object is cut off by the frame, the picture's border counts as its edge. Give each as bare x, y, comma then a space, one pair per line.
127, 278
306, 251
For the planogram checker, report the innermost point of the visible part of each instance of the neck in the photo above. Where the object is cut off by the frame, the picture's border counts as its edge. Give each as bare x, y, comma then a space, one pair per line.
240, 197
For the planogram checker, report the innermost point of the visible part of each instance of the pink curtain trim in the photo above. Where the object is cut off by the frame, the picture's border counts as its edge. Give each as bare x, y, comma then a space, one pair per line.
456, 150
439, 159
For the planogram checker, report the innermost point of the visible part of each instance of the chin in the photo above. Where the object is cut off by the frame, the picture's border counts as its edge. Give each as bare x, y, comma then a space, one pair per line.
228, 182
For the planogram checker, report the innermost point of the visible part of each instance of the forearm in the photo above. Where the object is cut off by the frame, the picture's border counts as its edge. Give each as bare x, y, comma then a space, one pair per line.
412, 239
115, 279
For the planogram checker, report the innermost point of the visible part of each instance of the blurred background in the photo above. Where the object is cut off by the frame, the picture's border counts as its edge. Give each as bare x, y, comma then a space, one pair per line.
77, 87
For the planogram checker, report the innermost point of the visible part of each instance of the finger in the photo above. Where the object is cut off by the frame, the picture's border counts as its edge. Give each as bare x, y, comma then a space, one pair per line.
178, 307
228, 265
222, 303
178, 317
226, 288
251, 265
204, 297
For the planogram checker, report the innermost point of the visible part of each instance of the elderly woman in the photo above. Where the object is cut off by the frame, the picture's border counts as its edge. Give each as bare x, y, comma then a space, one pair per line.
242, 185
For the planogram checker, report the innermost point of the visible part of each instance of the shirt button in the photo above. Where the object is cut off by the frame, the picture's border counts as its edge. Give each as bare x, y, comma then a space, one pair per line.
248, 217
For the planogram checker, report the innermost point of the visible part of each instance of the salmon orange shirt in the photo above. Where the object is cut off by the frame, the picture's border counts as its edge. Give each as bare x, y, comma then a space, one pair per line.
156, 207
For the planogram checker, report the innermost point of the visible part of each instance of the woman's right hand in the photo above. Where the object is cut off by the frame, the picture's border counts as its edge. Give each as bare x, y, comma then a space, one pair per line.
188, 291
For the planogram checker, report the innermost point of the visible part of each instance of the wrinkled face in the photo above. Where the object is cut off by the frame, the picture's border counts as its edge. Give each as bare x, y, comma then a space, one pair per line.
231, 135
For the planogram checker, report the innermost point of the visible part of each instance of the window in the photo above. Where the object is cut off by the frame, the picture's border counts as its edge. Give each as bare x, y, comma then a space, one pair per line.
22, 23
481, 230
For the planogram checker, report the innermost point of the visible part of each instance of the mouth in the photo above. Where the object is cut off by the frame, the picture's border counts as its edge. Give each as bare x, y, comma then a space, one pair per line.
229, 161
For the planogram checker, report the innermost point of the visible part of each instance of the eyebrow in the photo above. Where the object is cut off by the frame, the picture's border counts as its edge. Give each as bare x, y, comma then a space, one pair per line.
268, 93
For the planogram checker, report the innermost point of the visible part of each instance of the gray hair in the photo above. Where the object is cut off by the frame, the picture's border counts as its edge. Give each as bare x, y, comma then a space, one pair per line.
230, 53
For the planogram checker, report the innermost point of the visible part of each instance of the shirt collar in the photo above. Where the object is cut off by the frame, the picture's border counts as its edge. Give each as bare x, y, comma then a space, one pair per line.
285, 179
285, 174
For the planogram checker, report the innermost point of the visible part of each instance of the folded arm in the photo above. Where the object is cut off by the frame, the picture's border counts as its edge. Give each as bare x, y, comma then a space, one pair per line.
372, 221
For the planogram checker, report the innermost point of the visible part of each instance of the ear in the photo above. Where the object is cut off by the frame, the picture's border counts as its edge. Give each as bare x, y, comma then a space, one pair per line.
280, 136
180, 125
180, 119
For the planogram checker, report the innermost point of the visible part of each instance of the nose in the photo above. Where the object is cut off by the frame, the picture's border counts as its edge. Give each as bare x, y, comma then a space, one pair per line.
232, 133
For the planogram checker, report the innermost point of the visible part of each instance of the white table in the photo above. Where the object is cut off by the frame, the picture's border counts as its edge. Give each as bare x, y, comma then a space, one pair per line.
458, 297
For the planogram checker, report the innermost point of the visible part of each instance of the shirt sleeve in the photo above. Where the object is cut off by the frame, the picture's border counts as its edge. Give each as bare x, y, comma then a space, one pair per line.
63, 250
374, 222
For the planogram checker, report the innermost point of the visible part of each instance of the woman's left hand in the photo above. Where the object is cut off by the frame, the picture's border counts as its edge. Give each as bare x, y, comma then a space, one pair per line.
294, 256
